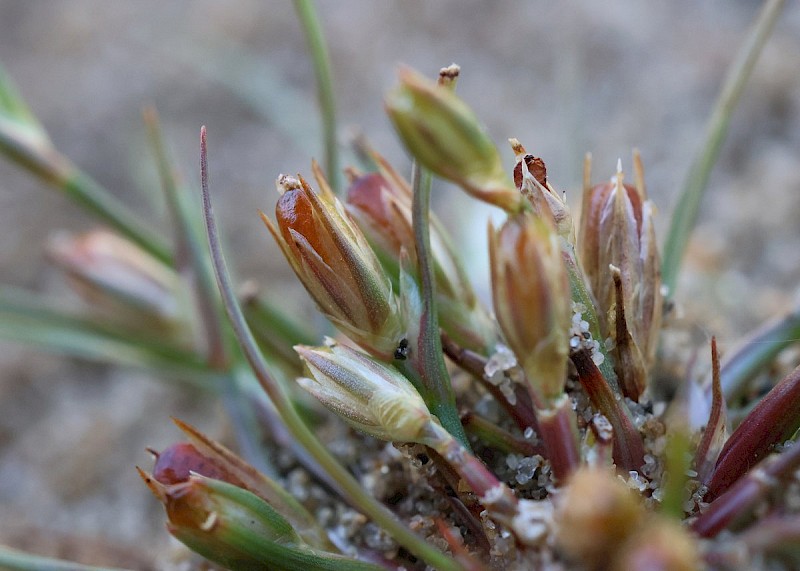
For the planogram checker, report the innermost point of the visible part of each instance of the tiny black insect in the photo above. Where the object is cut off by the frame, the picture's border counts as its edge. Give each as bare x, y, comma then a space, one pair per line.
401, 353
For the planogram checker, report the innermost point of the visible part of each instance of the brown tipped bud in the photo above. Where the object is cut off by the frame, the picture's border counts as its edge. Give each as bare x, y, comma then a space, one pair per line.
444, 134
370, 396
383, 211
530, 177
619, 256
206, 457
596, 514
532, 300
338, 268
223, 522
117, 277
381, 204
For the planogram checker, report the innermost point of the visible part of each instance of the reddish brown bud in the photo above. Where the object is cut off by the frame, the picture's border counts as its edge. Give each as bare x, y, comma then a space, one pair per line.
618, 254
338, 268
381, 204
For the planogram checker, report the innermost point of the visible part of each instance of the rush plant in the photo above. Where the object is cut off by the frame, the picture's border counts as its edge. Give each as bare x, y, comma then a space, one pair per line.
523, 435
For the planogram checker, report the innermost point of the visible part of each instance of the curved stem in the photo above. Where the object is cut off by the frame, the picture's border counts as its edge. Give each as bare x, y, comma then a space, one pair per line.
429, 358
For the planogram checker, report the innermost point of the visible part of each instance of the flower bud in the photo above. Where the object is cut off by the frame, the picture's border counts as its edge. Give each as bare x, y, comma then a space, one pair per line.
370, 396
206, 457
336, 265
223, 522
381, 204
117, 277
237, 529
596, 514
617, 233
444, 134
532, 300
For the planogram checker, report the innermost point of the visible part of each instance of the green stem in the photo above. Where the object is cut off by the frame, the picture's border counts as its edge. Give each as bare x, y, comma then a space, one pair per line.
14, 560
322, 70
86, 192
756, 351
191, 255
685, 215
496, 438
351, 488
428, 358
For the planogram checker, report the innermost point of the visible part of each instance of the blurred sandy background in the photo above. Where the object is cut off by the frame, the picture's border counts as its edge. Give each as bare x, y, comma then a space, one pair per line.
564, 78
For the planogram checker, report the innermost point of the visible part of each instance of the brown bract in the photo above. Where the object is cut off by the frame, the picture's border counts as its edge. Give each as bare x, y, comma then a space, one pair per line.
618, 255
336, 265
532, 300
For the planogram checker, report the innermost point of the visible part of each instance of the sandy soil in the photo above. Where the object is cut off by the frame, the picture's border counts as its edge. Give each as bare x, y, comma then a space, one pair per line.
600, 77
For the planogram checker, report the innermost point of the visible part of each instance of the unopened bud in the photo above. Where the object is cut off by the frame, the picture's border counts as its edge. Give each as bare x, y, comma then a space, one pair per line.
619, 256
333, 260
206, 457
117, 277
370, 396
223, 522
381, 204
24, 140
532, 300
444, 134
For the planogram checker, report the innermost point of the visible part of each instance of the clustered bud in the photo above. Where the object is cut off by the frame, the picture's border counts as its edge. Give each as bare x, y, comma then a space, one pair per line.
618, 254
381, 204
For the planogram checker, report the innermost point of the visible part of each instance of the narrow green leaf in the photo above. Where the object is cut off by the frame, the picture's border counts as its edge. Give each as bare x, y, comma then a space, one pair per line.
427, 357
191, 251
27, 318
318, 51
685, 215
15, 560
756, 351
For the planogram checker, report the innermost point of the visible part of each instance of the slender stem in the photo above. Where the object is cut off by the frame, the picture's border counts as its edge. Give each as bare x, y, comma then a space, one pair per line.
559, 431
14, 560
190, 253
496, 497
497, 438
756, 351
88, 193
521, 412
318, 50
686, 211
53, 168
294, 423
428, 357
